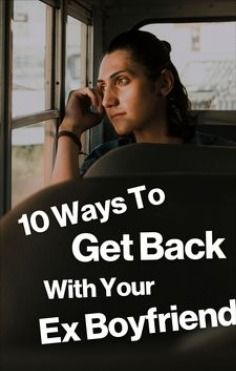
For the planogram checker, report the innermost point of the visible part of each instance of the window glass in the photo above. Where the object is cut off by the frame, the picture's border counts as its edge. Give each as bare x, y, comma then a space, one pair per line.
29, 47
74, 54
76, 61
31, 160
205, 56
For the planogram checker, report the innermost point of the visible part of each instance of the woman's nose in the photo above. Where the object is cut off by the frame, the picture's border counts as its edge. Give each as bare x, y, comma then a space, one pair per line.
110, 97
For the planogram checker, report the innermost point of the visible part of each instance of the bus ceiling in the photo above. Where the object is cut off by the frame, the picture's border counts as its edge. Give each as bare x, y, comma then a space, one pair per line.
122, 14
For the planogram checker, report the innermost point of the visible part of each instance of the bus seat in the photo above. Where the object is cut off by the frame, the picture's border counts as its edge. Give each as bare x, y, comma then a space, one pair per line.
193, 203
146, 159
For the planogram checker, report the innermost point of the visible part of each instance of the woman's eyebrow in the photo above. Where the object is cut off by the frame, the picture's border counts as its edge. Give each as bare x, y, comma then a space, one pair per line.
113, 75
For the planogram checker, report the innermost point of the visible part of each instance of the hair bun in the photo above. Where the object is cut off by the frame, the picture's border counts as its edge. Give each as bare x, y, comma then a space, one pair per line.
167, 45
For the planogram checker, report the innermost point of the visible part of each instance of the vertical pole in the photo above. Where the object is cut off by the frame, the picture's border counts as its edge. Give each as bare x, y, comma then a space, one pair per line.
6, 11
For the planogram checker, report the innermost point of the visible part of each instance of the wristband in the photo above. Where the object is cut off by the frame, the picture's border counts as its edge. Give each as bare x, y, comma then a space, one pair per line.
67, 133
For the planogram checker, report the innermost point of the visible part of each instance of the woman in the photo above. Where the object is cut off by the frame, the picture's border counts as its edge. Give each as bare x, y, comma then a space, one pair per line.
140, 92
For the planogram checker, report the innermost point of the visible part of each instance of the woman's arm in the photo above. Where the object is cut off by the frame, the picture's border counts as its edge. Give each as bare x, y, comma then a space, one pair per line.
78, 118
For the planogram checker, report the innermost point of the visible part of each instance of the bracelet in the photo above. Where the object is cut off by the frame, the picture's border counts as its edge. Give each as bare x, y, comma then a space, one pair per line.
67, 133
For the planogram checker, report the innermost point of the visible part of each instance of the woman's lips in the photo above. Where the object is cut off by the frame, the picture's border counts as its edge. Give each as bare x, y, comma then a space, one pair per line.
115, 115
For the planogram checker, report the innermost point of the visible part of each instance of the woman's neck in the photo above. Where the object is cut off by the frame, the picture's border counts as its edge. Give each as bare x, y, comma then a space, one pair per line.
156, 134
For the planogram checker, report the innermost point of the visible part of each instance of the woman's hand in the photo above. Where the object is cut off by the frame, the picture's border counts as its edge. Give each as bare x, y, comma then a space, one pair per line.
83, 110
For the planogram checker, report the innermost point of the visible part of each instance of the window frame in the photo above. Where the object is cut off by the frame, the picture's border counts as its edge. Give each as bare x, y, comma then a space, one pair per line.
6, 11
57, 12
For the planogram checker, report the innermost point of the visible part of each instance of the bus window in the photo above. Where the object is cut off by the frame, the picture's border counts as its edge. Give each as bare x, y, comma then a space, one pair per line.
30, 96
205, 56
29, 47
75, 55
49, 58
27, 161
77, 62
32, 158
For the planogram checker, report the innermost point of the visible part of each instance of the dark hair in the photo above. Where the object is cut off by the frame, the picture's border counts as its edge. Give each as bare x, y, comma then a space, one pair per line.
154, 55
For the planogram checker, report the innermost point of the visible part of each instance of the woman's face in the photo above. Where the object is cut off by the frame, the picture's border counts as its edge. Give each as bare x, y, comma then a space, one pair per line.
131, 101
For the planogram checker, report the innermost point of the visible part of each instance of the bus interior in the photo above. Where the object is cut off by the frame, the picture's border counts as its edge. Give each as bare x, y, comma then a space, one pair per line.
57, 45
47, 49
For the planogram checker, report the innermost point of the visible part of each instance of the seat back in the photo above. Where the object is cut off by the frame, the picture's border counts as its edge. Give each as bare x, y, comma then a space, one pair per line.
193, 204
146, 159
